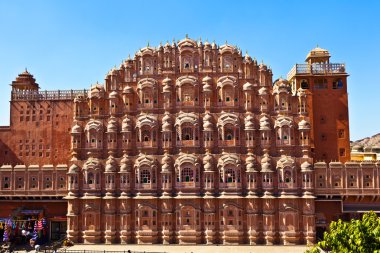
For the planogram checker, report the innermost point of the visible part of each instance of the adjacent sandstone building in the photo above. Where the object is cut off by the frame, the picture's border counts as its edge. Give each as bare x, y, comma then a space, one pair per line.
188, 143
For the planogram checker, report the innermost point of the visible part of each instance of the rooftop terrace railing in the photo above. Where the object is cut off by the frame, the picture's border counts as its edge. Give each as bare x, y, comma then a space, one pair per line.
317, 69
47, 95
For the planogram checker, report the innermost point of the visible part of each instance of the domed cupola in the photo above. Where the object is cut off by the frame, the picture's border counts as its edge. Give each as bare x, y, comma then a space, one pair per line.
166, 123
249, 122
304, 125
111, 164
266, 163
207, 122
166, 163
76, 129
208, 162
112, 125
125, 164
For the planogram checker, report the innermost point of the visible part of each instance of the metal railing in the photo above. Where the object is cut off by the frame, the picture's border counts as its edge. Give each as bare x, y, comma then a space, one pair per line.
47, 95
317, 69
103, 251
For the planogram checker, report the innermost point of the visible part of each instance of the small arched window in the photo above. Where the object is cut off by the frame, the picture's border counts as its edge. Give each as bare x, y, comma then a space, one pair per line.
338, 84
145, 177
230, 175
187, 132
145, 135
90, 178
304, 84
187, 175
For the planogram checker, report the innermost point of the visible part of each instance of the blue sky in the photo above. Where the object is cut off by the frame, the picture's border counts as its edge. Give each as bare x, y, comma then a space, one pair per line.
72, 44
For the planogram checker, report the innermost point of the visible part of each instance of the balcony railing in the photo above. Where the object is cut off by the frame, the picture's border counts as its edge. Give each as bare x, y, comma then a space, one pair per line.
47, 95
317, 69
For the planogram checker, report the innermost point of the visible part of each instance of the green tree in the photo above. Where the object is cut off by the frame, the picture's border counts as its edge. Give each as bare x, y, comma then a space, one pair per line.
353, 236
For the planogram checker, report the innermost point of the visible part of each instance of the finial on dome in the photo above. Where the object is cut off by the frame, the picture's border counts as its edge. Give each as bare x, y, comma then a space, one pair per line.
200, 38
317, 45
147, 44
129, 56
187, 36
226, 42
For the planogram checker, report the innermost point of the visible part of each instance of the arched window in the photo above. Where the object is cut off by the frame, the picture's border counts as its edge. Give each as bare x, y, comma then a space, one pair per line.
228, 94
338, 84
304, 84
288, 176
147, 96
145, 177
228, 133
230, 176
145, 135
90, 178
187, 175
187, 132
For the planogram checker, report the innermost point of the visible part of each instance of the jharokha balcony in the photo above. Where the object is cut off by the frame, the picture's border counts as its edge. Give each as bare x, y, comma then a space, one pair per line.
317, 69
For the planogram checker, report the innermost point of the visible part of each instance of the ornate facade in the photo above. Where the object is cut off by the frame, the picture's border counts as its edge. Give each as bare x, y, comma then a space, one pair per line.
190, 143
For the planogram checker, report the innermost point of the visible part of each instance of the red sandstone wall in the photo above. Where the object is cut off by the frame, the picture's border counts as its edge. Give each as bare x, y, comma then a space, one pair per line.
51, 209
38, 133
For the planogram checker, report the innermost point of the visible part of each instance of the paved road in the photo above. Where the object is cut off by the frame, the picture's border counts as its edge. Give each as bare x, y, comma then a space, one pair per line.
193, 249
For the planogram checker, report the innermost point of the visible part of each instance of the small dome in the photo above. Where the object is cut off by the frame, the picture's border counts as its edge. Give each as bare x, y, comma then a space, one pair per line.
263, 91
264, 124
166, 117
207, 44
262, 67
96, 91
207, 158
305, 166
266, 165
74, 169
207, 87
166, 127
114, 71
125, 164
126, 125
206, 79
248, 122
112, 126
166, 88
76, 129
166, 159
304, 125
247, 58
165, 167
166, 80
113, 94
247, 86
266, 158
213, 46
207, 162
207, 124
128, 90
281, 84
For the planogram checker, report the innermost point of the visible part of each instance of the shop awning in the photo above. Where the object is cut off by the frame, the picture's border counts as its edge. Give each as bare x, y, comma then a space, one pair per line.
360, 208
30, 212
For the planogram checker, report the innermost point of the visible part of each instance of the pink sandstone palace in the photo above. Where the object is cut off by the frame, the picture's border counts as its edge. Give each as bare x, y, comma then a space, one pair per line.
189, 143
